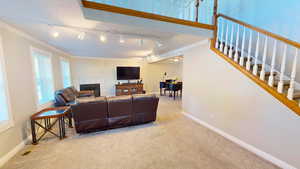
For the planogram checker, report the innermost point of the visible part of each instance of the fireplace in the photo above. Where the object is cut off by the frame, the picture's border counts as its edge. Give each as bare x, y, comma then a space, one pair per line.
93, 87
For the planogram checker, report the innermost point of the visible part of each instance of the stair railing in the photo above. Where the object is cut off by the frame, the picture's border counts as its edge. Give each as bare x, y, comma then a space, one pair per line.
197, 13
269, 57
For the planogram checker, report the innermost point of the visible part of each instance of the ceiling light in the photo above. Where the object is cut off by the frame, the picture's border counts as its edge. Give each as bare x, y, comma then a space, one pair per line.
102, 38
122, 39
141, 42
153, 57
159, 44
176, 60
81, 36
55, 34
140, 58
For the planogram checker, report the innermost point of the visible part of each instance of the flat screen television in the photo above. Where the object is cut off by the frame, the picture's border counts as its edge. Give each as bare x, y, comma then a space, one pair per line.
128, 73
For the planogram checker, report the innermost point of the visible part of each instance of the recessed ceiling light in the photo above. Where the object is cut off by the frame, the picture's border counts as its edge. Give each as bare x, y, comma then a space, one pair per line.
55, 34
81, 36
102, 38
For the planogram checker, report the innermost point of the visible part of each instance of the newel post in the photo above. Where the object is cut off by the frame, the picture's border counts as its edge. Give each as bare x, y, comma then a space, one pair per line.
197, 10
215, 20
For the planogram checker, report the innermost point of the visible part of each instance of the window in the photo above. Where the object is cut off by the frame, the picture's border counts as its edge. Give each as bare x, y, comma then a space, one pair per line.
43, 76
65, 70
5, 118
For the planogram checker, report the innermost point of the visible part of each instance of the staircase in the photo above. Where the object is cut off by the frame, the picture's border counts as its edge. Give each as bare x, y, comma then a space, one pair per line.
256, 53
268, 59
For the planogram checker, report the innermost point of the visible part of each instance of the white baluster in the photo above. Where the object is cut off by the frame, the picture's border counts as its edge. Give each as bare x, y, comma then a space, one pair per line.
293, 77
255, 68
221, 46
226, 40
283, 62
236, 55
271, 78
217, 38
231, 41
243, 48
248, 64
263, 72
189, 14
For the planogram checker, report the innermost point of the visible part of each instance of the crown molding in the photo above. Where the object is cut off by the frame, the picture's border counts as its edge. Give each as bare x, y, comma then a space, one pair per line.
180, 51
104, 58
19, 32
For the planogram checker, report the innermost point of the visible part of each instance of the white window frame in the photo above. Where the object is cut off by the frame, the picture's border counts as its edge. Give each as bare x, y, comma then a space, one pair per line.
5, 125
32, 50
61, 70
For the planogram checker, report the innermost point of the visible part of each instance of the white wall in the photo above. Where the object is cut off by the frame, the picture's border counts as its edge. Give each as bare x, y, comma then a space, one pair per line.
218, 94
16, 46
157, 70
103, 71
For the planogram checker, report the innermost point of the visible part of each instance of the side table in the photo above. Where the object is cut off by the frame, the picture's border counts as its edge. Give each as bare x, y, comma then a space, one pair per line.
50, 116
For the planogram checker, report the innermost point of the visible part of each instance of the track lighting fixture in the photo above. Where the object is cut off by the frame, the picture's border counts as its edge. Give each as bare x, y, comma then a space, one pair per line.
159, 44
122, 40
55, 34
141, 42
102, 38
81, 36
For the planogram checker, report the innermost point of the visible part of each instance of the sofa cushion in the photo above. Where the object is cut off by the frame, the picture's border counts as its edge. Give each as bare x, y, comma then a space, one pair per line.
92, 109
119, 106
89, 99
119, 111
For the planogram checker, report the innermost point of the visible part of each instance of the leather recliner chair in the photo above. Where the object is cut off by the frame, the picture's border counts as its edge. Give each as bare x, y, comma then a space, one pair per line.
67, 96
114, 112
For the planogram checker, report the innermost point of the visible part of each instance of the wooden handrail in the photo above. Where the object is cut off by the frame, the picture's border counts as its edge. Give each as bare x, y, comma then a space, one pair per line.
130, 12
265, 32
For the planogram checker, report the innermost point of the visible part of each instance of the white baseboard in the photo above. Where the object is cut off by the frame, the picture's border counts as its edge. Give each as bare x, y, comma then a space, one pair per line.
13, 152
243, 144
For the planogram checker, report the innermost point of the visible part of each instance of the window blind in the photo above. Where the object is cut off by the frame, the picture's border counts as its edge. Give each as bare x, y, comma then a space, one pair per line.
66, 74
43, 77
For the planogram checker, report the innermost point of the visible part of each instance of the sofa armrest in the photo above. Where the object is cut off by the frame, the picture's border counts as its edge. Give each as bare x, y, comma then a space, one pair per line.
144, 108
86, 93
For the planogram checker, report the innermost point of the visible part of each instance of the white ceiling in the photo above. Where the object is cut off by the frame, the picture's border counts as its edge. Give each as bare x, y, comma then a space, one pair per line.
41, 18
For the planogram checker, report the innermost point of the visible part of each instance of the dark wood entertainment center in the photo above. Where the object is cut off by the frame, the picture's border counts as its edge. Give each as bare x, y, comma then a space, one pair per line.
129, 89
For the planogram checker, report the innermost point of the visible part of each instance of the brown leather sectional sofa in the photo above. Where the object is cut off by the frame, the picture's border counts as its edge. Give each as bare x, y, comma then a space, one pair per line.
102, 113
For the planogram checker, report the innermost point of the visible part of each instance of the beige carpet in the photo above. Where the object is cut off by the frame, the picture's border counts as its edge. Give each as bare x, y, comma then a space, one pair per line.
172, 142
